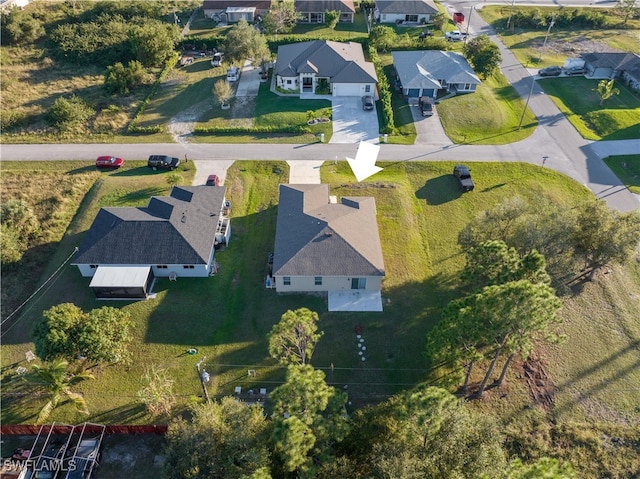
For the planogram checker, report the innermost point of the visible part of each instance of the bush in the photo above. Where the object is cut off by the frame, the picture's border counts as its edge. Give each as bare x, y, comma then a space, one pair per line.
122, 79
67, 113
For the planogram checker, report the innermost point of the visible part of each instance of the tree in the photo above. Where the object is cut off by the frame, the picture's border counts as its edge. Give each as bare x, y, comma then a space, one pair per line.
157, 394
439, 20
57, 381
382, 38
20, 27
292, 441
11, 247
306, 396
225, 440
331, 18
68, 113
154, 42
602, 236
483, 54
606, 90
174, 178
293, 338
122, 79
626, 9
245, 42
223, 91
104, 336
67, 332
56, 335
282, 17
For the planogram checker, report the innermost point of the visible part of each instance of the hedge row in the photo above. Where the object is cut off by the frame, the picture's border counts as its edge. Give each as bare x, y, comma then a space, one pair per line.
388, 122
133, 128
206, 130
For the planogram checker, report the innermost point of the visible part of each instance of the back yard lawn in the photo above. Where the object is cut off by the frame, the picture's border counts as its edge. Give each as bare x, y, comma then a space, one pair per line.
226, 317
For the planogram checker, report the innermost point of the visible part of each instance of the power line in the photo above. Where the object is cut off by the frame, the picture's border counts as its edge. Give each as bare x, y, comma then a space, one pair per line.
35, 292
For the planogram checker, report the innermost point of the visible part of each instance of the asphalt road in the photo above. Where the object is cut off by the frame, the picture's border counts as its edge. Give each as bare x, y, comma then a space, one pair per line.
555, 138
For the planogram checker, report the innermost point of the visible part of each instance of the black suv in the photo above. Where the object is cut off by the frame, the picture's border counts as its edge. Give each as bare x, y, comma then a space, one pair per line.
163, 161
463, 175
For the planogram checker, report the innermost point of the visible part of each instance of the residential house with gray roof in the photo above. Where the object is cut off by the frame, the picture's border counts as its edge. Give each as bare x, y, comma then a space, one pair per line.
619, 65
230, 11
325, 246
341, 67
405, 11
313, 11
173, 236
427, 73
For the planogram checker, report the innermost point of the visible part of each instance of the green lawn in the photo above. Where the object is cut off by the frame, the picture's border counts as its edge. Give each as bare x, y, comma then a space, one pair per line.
616, 119
227, 316
627, 168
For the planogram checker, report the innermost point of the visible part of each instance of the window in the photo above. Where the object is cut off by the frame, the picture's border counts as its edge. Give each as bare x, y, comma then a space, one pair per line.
286, 280
187, 266
367, 88
318, 281
288, 82
161, 266
467, 86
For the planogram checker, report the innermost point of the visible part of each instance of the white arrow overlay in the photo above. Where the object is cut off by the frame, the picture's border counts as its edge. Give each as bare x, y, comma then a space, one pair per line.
364, 164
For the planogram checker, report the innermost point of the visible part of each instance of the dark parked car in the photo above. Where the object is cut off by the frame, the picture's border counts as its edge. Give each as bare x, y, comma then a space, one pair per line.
550, 71
426, 105
367, 102
463, 175
163, 161
424, 34
575, 71
109, 162
213, 180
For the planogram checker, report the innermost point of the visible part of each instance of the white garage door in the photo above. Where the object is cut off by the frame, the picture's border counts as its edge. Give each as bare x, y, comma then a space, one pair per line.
347, 89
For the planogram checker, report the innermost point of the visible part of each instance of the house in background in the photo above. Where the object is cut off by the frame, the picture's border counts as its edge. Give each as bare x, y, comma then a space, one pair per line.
405, 11
302, 67
231, 11
312, 11
173, 236
328, 247
430, 72
621, 66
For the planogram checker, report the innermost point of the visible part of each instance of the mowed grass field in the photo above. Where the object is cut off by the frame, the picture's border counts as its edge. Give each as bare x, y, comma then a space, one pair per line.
227, 316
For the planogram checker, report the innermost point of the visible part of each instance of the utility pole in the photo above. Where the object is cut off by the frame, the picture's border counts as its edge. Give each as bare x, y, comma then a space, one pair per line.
510, 14
466, 35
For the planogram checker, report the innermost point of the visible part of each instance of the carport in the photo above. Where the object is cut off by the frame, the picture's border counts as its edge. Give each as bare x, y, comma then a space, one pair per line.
122, 282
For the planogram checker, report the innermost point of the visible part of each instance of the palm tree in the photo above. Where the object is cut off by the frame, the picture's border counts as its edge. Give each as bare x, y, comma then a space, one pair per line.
57, 381
606, 90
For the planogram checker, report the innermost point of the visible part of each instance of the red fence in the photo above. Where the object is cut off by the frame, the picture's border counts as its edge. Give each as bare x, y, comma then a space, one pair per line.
32, 430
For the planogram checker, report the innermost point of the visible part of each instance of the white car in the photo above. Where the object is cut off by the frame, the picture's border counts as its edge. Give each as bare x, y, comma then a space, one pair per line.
233, 74
216, 61
455, 36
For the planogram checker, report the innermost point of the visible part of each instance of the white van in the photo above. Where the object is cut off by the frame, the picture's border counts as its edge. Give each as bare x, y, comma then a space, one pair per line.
233, 74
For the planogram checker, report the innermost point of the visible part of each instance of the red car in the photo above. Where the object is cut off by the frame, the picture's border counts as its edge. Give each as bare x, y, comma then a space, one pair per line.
213, 180
109, 162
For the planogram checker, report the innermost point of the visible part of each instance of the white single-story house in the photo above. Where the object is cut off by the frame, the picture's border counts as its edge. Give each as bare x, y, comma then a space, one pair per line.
173, 236
405, 11
231, 11
425, 73
324, 246
302, 67
618, 65
312, 11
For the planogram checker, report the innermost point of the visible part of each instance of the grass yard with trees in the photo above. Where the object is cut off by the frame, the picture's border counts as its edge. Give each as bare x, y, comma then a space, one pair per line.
227, 317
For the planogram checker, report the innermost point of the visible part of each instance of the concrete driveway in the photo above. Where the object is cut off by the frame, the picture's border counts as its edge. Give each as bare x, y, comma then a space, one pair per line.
351, 124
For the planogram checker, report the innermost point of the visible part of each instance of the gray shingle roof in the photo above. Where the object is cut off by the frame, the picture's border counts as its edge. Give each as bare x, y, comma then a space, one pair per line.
318, 238
425, 69
629, 62
315, 6
407, 7
175, 229
326, 59
222, 5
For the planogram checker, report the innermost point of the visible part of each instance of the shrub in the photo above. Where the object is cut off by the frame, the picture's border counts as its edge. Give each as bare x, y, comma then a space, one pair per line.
122, 79
67, 113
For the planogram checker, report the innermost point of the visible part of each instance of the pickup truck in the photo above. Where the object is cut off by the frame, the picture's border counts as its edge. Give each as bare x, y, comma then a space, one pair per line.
463, 175
163, 161
455, 36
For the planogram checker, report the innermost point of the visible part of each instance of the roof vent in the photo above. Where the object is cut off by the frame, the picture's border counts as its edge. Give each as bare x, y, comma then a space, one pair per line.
184, 218
329, 233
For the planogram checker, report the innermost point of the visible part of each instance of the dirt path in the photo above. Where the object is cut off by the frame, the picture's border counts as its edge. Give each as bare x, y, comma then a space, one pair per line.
181, 125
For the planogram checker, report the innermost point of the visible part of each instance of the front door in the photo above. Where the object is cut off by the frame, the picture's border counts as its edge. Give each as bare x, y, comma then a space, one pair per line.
358, 283
307, 84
